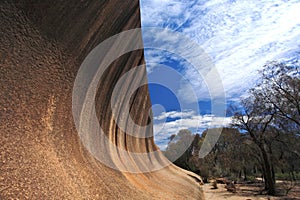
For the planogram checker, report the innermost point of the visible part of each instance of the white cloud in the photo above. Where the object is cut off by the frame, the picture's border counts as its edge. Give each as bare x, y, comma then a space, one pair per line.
187, 120
165, 13
240, 36
174, 114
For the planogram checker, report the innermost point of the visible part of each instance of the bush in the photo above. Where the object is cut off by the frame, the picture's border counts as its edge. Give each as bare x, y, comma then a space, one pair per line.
287, 176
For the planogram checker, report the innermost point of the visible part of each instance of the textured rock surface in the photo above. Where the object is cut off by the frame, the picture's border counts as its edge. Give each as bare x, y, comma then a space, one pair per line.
42, 47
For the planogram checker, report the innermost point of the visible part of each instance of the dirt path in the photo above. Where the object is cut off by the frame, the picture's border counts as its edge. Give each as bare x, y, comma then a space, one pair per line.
244, 192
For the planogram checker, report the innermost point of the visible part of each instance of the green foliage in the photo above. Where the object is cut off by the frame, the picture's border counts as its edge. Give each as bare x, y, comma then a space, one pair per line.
228, 157
288, 176
179, 148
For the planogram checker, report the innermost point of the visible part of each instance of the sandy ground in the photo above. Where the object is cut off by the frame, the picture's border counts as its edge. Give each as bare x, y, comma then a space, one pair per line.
246, 192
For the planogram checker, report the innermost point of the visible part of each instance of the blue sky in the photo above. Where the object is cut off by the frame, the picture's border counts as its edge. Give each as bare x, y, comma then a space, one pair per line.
239, 36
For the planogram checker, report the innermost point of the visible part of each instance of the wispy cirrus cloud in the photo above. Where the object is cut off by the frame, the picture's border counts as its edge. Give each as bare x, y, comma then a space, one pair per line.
171, 14
240, 36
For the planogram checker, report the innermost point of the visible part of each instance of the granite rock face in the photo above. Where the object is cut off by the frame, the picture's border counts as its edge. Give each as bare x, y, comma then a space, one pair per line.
42, 157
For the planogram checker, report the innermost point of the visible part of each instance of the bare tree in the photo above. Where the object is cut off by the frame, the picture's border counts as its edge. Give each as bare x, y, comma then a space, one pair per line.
271, 110
255, 120
280, 88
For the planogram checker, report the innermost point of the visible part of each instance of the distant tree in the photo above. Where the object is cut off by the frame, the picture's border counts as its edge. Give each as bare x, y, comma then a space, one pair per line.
229, 157
221, 157
180, 148
225, 158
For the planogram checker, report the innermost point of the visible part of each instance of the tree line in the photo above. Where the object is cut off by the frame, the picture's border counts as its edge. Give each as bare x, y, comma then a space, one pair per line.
263, 138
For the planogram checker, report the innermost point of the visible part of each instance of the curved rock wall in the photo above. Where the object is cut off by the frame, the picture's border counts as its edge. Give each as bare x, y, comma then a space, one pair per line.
42, 47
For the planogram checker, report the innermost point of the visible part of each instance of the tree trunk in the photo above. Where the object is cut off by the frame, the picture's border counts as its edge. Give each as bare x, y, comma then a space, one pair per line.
245, 174
293, 176
273, 177
268, 175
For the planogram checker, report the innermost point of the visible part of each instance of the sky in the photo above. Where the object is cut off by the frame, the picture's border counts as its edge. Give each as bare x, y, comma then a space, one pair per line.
237, 38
